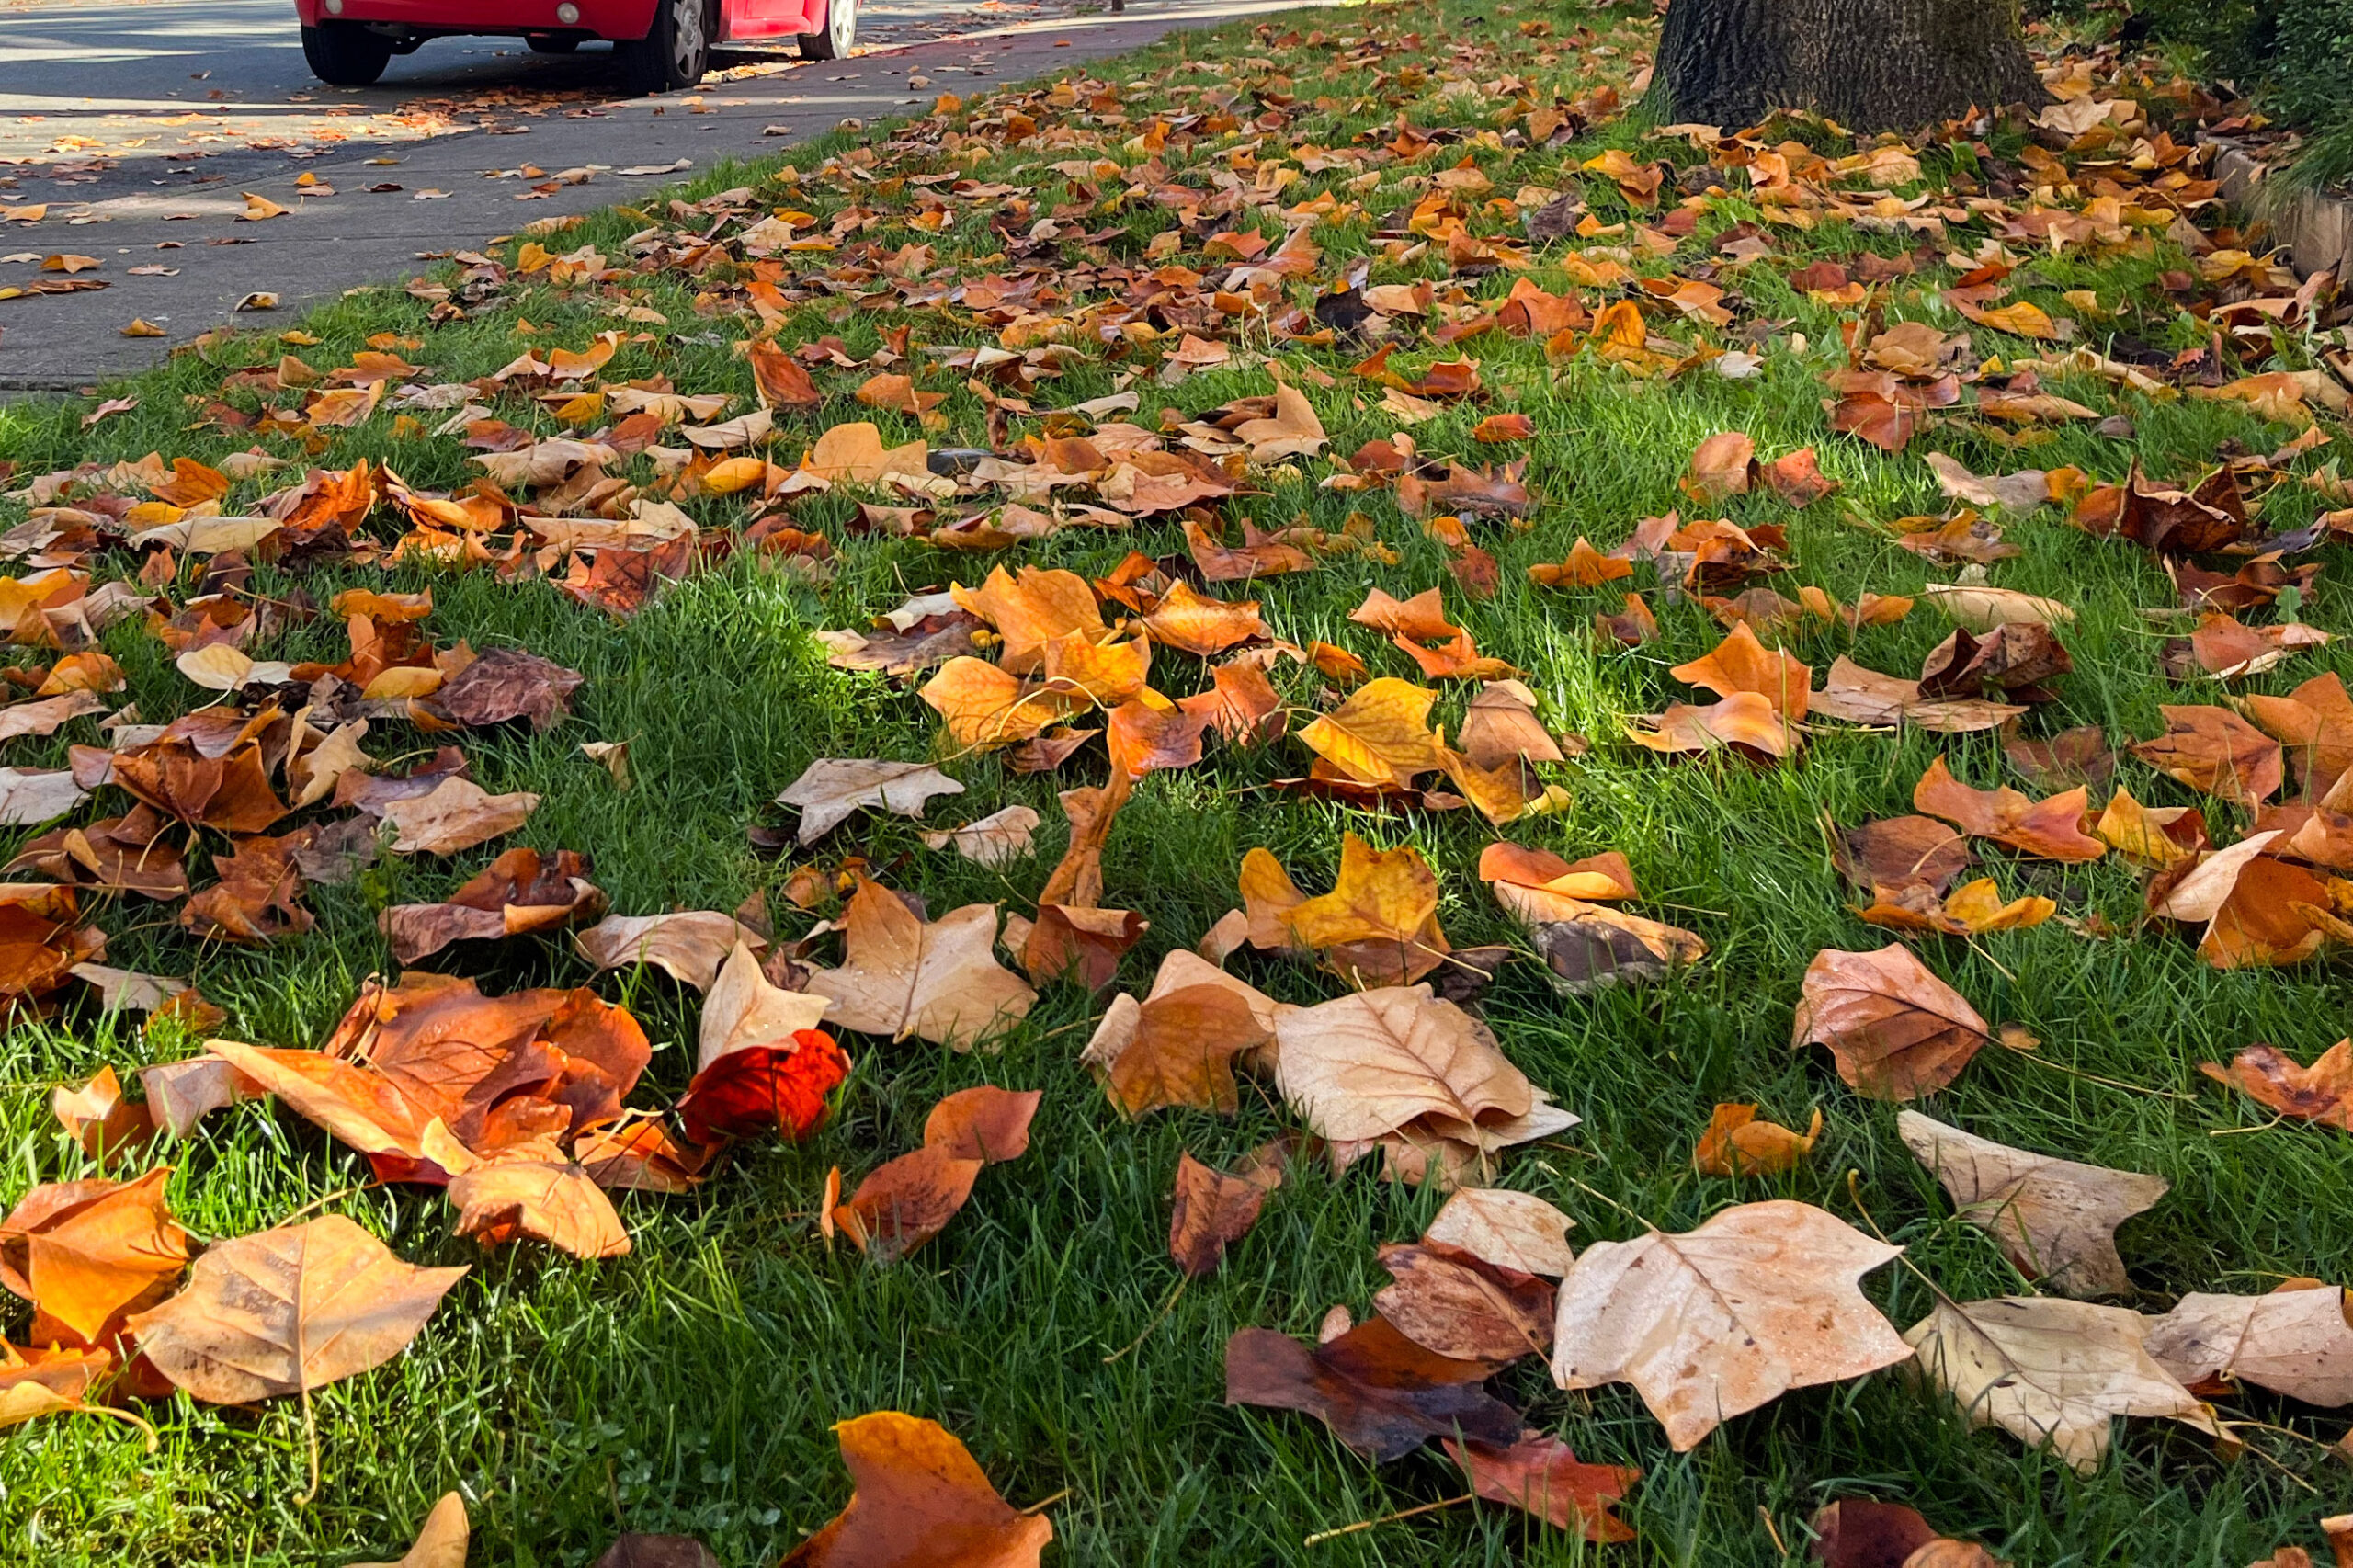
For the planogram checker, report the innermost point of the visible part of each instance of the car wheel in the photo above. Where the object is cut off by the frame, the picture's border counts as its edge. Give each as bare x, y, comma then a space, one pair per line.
675, 53
345, 54
553, 43
832, 42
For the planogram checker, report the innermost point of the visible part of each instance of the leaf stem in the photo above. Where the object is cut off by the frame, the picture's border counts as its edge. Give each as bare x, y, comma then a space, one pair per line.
1322, 1535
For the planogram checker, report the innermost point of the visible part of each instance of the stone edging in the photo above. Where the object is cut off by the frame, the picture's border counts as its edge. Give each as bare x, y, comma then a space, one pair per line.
2314, 228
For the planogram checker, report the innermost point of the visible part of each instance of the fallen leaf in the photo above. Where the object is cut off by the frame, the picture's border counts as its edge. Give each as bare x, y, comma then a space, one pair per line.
517, 893
1214, 1210
1455, 1304
901, 975
559, 1204
1541, 1475
987, 1124
2296, 1341
1510, 1229
2217, 753
2049, 1371
456, 814
2055, 1219
1736, 1144
289, 1310
918, 1500
2320, 1093
86, 1252
1716, 1321
904, 1202
441, 1540
1895, 1029
832, 787
997, 839
1380, 1392
688, 945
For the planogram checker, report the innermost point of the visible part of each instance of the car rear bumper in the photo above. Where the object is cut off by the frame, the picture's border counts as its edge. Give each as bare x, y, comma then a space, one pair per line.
598, 18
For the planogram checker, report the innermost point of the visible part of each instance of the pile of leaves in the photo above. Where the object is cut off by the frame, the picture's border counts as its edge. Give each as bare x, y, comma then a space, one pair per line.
1202, 417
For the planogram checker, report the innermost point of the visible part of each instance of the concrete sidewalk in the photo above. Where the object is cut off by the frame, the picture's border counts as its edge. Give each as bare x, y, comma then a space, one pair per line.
461, 190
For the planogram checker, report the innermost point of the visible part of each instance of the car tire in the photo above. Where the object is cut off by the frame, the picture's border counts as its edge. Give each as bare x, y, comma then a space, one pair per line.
553, 43
673, 53
832, 42
345, 54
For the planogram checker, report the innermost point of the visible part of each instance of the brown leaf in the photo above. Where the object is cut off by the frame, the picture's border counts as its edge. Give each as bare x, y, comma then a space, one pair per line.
1214, 1210
919, 1499
2320, 1093
2014, 657
1896, 1030
937, 980
831, 789
1380, 1392
688, 945
1716, 1321
516, 894
507, 683
2052, 829
2055, 1219
456, 814
441, 1540
1900, 851
1510, 1229
559, 1204
2217, 753
1541, 1475
1856, 1532
289, 1310
2296, 1341
2049, 1371
1174, 1049
1453, 1302
1741, 663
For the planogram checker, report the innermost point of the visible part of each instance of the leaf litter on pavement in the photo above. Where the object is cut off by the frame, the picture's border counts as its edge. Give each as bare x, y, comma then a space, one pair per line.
1231, 529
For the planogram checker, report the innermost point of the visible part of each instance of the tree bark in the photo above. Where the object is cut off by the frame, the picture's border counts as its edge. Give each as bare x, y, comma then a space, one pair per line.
1868, 64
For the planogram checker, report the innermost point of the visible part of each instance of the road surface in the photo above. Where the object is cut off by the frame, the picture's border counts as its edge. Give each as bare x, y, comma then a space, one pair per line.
131, 129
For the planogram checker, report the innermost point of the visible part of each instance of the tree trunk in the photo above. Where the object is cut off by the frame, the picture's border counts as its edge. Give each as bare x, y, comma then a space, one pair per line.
1870, 64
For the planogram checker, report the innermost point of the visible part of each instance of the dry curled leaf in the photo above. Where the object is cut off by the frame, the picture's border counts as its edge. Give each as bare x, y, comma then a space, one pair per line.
1381, 1393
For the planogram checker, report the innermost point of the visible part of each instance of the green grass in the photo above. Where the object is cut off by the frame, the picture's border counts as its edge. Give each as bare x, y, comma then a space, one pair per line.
690, 1386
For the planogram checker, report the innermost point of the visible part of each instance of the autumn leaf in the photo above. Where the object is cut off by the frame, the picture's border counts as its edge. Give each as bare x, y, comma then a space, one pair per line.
1716, 1321
918, 1500
988, 1124
1174, 1048
516, 894
1214, 1210
2217, 753
831, 789
456, 814
689, 946
905, 1203
1380, 735
2295, 1341
2055, 1219
1541, 1475
1379, 921
286, 1311
1747, 721
901, 975
1454, 1302
1380, 1392
2320, 1093
2049, 1371
1511, 1230
441, 1540
1737, 1144
559, 1204
2052, 829
1896, 1030
86, 1252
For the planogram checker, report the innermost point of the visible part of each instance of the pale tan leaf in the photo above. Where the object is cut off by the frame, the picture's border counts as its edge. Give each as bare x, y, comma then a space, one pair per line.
2055, 1218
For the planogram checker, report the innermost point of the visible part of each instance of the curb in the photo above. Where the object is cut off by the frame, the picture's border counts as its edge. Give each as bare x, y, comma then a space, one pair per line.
2314, 228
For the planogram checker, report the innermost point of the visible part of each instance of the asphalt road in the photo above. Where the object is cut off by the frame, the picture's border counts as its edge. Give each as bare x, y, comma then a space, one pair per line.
133, 128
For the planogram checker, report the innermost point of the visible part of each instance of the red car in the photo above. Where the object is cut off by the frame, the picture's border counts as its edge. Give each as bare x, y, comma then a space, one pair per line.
661, 44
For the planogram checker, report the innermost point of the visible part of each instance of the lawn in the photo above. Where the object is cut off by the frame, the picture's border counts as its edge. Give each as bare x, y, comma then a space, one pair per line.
692, 1386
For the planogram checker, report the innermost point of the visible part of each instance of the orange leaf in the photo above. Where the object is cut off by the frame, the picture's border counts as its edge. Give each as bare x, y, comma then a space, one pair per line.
1895, 1029
919, 1500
